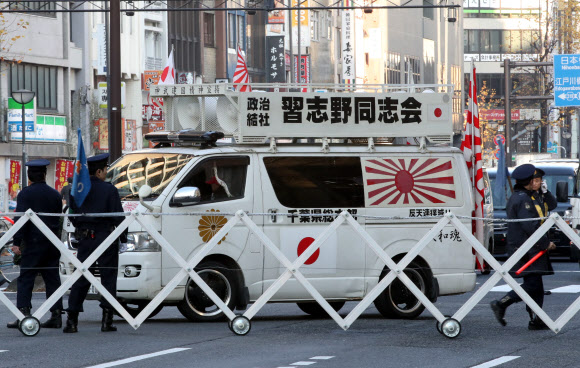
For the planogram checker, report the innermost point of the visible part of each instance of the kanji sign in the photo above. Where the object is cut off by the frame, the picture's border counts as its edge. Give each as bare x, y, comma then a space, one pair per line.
276, 62
347, 45
303, 74
64, 169
345, 115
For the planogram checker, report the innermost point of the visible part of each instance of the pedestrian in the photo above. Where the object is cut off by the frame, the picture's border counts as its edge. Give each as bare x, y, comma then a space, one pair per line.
65, 192
103, 197
38, 254
531, 199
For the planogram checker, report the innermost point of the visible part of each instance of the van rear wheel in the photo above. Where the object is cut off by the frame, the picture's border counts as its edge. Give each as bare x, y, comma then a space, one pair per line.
397, 301
196, 306
315, 310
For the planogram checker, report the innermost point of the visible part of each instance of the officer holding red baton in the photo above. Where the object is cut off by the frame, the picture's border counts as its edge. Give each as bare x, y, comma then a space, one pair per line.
531, 199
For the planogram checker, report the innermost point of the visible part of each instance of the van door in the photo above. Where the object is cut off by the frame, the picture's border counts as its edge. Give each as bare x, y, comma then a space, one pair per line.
226, 185
319, 187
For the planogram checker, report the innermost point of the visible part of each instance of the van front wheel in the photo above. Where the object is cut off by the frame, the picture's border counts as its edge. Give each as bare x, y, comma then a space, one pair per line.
196, 306
396, 301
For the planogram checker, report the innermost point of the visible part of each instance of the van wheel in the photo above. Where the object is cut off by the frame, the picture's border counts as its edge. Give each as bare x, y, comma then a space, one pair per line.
396, 301
315, 310
134, 308
196, 306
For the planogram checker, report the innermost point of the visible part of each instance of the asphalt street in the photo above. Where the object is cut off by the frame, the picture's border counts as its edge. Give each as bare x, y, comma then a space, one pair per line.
283, 336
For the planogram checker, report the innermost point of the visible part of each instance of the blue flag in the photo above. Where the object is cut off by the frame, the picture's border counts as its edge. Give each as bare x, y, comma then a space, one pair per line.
501, 178
81, 180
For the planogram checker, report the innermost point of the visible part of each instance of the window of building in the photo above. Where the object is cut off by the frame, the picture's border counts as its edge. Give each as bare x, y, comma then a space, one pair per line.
329, 24
394, 68
412, 69
231, 32
40, 79
35, 5
428, 12
208, 29
316, 182
314, 25
500, 41
219, 179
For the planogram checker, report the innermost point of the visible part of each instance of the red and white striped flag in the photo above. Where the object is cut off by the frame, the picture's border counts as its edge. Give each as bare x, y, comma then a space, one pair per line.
471, 147
241, 74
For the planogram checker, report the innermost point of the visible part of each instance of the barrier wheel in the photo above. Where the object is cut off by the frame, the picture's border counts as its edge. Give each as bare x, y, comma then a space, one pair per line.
451, 328
241, 325
230, 325
29, 326
439, 325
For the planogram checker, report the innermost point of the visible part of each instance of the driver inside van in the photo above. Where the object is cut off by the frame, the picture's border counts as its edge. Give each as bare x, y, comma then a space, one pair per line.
217, 191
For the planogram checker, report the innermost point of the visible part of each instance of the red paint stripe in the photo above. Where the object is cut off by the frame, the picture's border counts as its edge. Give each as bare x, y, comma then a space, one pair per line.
440, 180
372, 170
412, 164
427, 196
377, 162
415, 198
423, 165
382, 199
406, 199
402, 162
378, 181
396, 199
443, 167
380, 190
445, 192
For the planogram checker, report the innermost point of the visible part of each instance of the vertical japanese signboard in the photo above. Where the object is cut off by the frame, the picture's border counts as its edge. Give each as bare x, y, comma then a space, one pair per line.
14, 184
64, 170
303, 73
276, 62
304, 23
103, 99
348, 71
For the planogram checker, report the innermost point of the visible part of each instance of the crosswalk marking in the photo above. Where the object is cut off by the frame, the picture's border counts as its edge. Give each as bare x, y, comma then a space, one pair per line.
496, 362
322, 357
303, 363
3, 351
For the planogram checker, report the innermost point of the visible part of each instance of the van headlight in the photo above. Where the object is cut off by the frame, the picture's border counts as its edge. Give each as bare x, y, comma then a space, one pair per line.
141, 242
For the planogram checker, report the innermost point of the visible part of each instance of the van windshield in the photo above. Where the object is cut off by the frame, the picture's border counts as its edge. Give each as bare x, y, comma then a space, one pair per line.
157, 170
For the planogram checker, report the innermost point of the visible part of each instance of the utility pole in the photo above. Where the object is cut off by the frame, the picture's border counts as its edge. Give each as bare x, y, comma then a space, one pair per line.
114, 103
507, 112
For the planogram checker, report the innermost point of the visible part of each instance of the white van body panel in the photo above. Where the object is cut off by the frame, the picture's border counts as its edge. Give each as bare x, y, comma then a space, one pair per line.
345, 269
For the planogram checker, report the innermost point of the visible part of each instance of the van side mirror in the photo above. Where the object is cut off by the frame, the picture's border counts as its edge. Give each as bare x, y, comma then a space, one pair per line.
562, 191
186, 196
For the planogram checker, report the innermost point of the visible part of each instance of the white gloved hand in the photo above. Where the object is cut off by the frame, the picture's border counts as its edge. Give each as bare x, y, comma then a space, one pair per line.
544, 186
122, 247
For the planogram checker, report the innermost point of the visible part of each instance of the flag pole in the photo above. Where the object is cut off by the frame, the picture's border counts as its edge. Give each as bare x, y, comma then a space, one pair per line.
472, 89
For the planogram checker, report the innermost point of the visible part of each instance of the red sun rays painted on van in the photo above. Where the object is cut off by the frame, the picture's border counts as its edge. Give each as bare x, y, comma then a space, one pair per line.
409, 181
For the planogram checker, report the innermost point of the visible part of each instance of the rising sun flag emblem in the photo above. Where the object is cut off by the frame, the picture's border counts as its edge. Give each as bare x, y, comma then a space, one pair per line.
408, 181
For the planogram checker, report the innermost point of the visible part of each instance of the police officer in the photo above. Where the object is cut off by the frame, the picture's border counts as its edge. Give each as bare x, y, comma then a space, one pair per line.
103, 197
38, 253
531, 199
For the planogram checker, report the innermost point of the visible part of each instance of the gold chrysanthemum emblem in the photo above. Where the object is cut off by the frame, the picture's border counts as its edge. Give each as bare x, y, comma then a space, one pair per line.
210, 225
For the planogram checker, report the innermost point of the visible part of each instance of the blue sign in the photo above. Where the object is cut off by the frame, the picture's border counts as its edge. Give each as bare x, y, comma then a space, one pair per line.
567, 80
15, 116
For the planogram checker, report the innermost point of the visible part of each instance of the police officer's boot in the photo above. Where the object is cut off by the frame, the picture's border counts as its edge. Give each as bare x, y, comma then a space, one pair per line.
72, 321
499, 306
55, 320
107, 321
25, 311
535, 322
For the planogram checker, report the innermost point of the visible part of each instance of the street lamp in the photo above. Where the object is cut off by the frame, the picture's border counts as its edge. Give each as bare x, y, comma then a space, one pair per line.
566, 134
23, 96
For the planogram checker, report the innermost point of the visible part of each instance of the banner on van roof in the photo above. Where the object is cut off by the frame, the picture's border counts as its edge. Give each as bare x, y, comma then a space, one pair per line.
409, 182
342, 115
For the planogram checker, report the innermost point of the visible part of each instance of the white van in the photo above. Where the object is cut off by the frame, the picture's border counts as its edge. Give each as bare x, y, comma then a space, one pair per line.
285, 181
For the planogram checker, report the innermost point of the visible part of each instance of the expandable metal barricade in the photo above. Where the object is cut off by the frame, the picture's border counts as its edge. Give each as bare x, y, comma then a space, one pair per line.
240, 324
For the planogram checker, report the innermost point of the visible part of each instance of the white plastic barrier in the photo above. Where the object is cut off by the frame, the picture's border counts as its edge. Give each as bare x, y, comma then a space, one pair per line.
240, 324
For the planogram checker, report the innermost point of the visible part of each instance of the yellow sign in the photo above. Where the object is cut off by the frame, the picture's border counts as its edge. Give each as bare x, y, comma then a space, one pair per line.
303, 13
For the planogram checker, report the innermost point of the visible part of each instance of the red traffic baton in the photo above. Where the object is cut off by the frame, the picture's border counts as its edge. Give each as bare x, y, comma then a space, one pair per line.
534, 259
8, 219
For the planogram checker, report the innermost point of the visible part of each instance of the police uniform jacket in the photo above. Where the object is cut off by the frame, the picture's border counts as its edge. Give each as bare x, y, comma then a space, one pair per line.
103, 197
522, 204
38, 197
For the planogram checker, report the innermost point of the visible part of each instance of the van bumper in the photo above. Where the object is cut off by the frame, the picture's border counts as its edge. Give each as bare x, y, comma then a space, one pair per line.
456, 283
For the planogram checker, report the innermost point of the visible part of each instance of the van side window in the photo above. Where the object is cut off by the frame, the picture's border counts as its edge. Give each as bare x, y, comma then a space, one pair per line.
316, 182
219, 179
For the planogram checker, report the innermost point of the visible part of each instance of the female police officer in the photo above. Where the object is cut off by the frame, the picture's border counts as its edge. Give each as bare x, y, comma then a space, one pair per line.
528, 201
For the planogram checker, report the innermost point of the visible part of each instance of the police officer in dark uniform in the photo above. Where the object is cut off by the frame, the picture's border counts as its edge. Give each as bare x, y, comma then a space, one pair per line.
103, 197
531, 199
39, 255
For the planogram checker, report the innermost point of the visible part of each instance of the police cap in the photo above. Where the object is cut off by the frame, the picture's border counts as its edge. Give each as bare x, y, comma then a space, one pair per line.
527, 171
38, 165
98, 161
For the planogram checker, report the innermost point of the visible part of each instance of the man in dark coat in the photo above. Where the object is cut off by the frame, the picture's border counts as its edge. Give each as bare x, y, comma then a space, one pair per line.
103, 197
38, 253
531, 199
